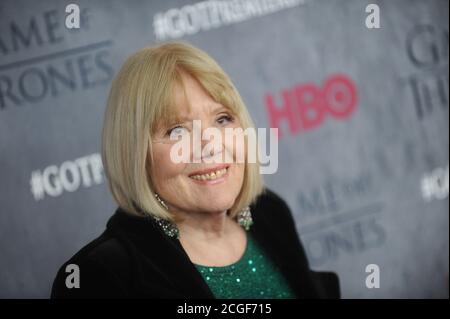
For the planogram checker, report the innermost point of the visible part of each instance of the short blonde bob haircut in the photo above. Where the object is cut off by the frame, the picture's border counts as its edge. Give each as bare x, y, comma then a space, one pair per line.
141, 98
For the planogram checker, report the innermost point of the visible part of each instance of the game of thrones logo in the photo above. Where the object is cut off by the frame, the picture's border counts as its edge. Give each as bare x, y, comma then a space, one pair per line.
39, 61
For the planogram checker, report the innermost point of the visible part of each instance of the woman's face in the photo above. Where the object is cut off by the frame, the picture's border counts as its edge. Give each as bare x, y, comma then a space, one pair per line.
185, 186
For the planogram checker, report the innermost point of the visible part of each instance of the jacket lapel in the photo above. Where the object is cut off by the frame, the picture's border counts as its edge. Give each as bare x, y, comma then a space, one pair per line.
283, 248
166, 254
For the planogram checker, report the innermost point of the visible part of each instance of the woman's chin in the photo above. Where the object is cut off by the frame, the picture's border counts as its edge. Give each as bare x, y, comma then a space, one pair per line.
215, 205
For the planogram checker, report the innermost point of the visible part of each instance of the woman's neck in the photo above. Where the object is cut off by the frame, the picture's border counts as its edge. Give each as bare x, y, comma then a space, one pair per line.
205, 226
213, 239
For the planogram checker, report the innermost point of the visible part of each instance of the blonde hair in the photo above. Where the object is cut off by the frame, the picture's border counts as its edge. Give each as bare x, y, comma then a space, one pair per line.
141, 97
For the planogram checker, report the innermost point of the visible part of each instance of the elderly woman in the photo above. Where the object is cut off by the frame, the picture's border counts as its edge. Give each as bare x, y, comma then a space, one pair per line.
193, 229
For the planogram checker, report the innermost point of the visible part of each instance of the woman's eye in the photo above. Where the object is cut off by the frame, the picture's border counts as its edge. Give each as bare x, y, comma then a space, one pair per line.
225, 119
175, 132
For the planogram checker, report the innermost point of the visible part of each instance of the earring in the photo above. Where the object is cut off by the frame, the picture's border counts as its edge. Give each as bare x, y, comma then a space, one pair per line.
161, 201
244, 218
169, 228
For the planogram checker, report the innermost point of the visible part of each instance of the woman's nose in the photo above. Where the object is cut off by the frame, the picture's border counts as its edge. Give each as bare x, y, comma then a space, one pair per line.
210, 147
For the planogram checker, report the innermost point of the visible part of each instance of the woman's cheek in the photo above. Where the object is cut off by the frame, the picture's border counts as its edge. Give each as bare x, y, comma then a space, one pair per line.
163, 167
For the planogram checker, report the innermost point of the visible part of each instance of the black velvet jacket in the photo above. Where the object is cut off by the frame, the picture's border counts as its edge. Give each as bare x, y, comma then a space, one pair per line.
133, 258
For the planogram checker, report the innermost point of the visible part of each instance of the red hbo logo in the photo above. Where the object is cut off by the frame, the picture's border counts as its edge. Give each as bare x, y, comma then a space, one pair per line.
306, 105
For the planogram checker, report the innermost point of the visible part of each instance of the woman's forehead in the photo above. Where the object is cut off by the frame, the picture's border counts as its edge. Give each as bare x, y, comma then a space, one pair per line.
196, 111
189, 101
188, 92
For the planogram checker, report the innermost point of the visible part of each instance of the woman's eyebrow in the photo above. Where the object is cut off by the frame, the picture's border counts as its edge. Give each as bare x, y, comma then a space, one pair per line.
182, 119
179, 120
218, 108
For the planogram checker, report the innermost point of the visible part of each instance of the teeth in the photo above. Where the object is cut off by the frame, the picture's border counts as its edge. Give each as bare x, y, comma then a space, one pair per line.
210, 176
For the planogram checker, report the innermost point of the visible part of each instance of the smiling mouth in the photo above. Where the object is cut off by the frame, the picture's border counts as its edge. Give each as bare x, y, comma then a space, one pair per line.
211, 175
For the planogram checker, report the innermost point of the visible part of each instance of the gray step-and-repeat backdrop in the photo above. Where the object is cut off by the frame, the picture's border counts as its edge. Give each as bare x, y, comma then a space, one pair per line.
359, 93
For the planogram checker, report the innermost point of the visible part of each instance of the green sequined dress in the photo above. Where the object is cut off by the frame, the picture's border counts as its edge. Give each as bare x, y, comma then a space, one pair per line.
252, 276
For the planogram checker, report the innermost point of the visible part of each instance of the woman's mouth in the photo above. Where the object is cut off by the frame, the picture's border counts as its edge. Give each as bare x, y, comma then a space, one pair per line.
214, 174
